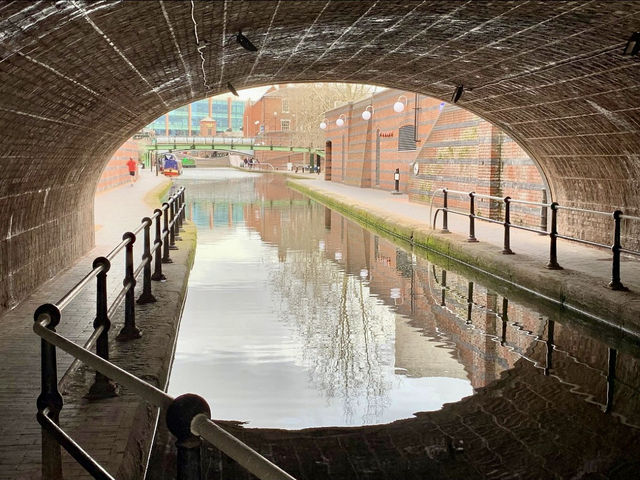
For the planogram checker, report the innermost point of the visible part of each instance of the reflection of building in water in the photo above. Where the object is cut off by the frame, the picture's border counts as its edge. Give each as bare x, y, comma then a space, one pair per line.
420, 356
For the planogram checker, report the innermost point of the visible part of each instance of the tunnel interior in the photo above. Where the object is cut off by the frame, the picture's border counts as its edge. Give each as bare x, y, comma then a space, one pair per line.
79, 78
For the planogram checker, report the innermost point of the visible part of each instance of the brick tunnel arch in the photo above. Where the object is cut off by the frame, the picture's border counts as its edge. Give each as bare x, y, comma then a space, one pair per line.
78, 78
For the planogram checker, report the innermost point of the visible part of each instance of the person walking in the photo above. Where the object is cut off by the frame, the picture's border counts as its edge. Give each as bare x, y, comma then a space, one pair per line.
133, 166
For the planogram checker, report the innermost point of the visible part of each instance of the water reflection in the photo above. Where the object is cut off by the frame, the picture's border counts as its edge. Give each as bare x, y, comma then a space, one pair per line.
296, 317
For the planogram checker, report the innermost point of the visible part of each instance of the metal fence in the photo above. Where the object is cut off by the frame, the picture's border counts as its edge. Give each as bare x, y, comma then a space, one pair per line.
188, 416
617, 217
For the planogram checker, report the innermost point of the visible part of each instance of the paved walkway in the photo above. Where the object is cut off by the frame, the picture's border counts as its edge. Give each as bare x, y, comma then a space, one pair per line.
116, 211
583, 265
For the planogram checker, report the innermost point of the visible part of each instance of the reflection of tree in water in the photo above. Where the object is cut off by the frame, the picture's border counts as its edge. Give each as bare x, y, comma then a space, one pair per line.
348, 335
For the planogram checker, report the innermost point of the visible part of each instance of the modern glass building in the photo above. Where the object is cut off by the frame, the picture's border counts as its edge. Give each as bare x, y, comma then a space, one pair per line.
227, 111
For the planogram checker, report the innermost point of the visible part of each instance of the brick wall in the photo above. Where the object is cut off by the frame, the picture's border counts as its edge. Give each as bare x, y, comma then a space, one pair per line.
116, 171
454, 149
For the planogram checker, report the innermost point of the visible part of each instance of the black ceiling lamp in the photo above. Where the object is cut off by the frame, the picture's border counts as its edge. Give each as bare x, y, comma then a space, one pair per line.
244, 41
633, 45
457, 93
232, 89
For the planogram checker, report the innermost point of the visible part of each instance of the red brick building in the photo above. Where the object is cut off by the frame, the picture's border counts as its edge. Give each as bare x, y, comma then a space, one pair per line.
116, 172
434, 145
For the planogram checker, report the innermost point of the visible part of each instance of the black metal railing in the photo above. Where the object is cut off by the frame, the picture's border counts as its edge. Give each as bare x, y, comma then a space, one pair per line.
468, 298
188, 416
617, 216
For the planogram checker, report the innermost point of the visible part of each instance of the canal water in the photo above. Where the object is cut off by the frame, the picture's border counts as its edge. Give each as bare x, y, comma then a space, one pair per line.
297, 317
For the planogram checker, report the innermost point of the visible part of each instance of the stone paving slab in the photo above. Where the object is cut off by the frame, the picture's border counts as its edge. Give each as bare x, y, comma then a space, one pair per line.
116, 211
581, 285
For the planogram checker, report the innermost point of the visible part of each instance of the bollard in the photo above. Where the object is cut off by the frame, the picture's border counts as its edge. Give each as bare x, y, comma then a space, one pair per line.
165, 235
472, 216
49, 401
157, 255
553, 235
102, 387
615, 283
179, 416
507, 222
129, 331
146, 296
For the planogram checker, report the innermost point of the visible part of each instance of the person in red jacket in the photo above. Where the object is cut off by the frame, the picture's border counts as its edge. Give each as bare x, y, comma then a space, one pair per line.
133, 166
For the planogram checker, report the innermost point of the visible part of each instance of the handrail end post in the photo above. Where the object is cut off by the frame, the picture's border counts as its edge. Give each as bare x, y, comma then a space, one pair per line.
179, 416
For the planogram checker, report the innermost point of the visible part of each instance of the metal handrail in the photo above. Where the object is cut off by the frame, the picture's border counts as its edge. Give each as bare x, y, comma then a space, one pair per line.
186, 417
251, 460
616, 247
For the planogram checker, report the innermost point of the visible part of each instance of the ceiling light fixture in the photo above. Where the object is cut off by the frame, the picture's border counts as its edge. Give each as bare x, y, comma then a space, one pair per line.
368, 112
399, 105
457, 93
633, 45
244, 42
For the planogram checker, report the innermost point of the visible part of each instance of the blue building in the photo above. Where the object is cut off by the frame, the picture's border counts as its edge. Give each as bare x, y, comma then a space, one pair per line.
226, 110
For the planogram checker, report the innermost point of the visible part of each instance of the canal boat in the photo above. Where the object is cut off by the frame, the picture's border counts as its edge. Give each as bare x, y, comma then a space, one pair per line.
170, 165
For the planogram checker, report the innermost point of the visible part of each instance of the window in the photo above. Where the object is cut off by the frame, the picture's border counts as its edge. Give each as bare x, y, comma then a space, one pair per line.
285, 125
285, 105
406, 138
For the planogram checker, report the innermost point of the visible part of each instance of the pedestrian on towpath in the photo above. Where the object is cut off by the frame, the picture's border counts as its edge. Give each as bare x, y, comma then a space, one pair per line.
133, 166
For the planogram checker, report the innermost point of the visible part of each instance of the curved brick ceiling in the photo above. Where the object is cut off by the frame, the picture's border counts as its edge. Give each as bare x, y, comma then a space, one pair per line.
78, 78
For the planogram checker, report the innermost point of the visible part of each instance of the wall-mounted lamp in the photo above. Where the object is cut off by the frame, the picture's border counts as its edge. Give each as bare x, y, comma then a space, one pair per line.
399, 105
244, 42
441, 105
633, 45
340, 120
457, 93
323, 124
232, 89
368, 112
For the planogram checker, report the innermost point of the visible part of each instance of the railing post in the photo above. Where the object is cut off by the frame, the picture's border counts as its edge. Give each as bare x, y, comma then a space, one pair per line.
146, 296
445, 214
157, 255
443, 299
543, 213
184, 207
165, 234
129, 331
505, 321
49, 399
177, 216
611, 379
472, 215
507, 222
553, 236
469, 301
102, 387
615, 283
549, 358
180, 414
181, 209
172, 224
